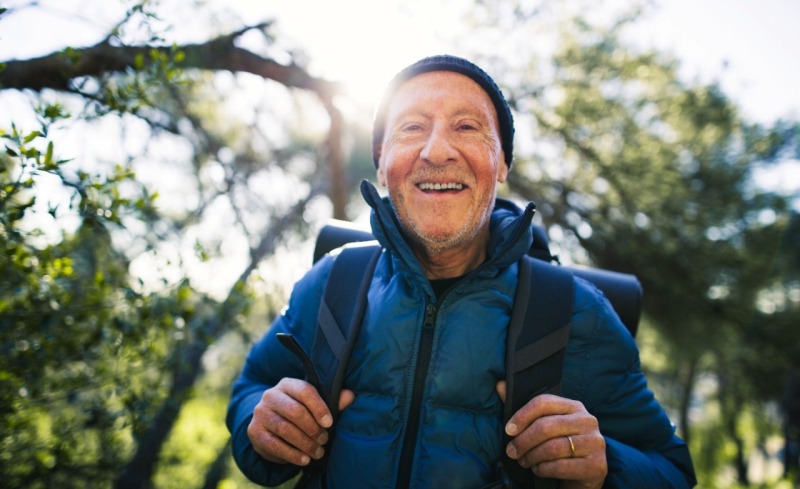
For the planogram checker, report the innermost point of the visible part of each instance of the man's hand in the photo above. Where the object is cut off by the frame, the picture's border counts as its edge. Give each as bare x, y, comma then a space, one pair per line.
558, 438
290, 422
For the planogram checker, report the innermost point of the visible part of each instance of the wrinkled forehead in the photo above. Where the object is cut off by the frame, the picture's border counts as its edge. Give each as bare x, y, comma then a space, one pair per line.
440, 91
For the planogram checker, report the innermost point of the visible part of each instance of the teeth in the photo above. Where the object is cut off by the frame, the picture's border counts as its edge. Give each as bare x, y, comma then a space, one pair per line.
441, 186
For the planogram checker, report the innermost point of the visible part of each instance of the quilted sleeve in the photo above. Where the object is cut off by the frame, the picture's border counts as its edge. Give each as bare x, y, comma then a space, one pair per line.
266, 364
602, 370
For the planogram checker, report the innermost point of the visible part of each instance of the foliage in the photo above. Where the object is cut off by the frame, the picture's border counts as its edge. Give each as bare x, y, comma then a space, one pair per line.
105, 335
111, 376
81, 348
640, 172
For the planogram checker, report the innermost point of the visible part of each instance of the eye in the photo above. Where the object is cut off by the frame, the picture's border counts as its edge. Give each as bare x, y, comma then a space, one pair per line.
412, 127
467, 125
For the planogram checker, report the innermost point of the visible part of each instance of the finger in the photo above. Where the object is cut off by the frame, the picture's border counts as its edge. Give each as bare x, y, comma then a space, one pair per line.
589, 464
538, 407
540, 441
346, 398
549, 451
586, 450
308, 396
279, 417
501, 390
274, 447
288, 403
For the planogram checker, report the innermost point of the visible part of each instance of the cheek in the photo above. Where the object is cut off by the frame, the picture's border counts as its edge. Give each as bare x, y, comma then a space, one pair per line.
396, 163
489, 173
394, 177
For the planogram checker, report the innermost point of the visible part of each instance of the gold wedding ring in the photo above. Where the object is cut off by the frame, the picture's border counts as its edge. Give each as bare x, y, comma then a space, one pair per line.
571, 447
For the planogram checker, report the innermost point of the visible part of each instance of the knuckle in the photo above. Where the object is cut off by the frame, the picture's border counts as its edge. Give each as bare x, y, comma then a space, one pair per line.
274, 448
267, 445
601, 442
549, 426
252, 429
539, 401
283, 430
526, 460
261, 410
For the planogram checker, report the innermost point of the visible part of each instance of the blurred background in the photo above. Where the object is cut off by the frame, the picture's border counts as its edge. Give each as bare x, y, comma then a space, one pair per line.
166, 166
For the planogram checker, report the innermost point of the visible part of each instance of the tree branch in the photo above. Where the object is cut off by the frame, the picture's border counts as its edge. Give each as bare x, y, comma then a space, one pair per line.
57, 70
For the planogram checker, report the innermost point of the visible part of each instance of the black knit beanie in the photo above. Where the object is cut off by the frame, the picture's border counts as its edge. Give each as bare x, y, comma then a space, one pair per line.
457, 65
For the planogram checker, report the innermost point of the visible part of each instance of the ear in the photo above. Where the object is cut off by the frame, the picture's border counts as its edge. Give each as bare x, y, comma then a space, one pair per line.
376, 152
381, 174
502, 172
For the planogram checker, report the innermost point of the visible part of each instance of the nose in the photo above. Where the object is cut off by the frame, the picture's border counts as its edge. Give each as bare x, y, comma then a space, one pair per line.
439, 149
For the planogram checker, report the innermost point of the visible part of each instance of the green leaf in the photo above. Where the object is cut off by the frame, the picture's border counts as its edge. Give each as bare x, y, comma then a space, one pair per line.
30, 137
54, 111
48, 163
11, 152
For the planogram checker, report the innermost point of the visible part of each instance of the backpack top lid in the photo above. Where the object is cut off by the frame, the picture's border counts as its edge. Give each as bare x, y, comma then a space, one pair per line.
622, 290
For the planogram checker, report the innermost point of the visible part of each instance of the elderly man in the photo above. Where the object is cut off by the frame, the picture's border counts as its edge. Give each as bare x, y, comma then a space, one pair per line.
422, 404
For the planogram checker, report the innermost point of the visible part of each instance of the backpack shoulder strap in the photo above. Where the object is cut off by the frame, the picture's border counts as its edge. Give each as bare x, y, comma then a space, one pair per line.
537, 339
339, 320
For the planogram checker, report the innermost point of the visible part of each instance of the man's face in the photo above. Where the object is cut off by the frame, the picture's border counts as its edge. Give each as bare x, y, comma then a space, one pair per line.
441, 160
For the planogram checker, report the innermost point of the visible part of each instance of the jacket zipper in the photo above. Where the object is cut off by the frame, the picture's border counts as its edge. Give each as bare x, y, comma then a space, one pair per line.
420, 375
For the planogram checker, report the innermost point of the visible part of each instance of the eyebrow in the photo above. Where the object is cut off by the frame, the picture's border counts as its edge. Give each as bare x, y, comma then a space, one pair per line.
466, 111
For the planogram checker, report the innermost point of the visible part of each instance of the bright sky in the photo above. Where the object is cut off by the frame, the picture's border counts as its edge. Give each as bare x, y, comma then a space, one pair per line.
749, 46
757, 39
363, 42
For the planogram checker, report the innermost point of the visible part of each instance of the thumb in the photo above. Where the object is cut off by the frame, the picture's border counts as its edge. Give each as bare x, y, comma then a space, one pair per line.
501, 390
346, 398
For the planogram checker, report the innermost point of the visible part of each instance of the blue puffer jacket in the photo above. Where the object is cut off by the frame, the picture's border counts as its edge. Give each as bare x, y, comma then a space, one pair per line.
426, 413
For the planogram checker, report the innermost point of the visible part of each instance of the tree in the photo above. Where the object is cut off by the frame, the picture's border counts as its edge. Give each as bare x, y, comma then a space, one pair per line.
112, 339
640, 172
94, 359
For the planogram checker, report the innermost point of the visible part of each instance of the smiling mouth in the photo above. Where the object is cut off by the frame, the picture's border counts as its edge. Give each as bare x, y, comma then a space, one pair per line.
440, 187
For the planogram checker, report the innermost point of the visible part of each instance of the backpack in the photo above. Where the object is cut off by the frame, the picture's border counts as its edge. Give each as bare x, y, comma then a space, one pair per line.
537, 335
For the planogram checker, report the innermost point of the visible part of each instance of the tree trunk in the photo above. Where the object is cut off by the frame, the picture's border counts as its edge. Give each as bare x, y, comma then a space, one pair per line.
689, 370
791, 427
138, 473
336, 162
741, 462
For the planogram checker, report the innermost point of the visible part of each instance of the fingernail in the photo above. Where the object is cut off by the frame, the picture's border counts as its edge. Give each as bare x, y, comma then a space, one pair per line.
535, 469
304, 460
511, 429
319, 453
326, 421
511, 451
323, 438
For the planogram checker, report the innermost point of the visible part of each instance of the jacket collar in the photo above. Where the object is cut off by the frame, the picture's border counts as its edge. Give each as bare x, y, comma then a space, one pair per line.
510, 233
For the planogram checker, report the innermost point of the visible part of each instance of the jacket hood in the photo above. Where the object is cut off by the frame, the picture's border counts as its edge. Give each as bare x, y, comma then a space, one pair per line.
509, 229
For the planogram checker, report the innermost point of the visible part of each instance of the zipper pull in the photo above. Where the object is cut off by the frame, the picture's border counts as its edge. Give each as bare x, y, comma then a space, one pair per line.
430, 313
